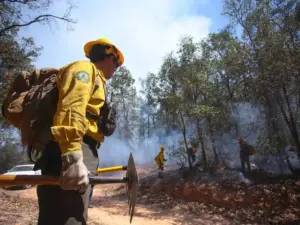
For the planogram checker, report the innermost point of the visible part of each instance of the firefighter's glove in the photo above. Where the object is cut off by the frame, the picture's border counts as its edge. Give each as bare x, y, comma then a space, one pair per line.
74, 173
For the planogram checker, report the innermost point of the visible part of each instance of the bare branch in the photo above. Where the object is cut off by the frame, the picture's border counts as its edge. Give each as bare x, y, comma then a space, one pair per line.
38, 19
14, 1
14, 18
18, 1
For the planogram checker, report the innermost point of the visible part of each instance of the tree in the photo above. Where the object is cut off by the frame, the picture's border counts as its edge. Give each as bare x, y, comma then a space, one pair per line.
13, 12
14, 57
18, 53
123, 95
269, 31
148, 106
10, 156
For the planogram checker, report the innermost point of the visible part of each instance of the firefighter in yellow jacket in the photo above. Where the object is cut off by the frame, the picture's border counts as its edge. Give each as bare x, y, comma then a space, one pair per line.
160, 158
77, 132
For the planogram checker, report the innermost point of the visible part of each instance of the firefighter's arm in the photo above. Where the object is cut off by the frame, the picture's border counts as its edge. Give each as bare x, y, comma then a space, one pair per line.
75, 85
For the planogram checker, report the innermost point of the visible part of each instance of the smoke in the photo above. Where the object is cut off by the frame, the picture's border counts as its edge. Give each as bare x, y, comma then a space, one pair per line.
245, 117
114, 151
245, 180
247, 122
150, 147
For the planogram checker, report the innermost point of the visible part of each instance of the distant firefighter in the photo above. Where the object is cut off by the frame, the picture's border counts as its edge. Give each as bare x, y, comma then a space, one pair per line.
192, 154
160, 158
245, 150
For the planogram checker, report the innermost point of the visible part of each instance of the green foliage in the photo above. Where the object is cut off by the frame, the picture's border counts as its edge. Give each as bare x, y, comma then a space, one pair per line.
195, 90
17, 14
123, 94
18, 53
177, 152
15, 55
11, 156
272, 145
194, 141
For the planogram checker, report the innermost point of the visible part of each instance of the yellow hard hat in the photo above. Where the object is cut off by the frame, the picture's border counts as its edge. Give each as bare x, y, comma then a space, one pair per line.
104, 41
162, 147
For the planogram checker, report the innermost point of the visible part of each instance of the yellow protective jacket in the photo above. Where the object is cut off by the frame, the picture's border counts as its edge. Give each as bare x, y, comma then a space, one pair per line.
160, 158
81, 87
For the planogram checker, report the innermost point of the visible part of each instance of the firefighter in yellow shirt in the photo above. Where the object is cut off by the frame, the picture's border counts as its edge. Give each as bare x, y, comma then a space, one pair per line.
160, 158
79, 126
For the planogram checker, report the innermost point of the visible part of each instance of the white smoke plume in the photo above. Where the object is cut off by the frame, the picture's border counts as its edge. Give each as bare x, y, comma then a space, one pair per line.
114, 151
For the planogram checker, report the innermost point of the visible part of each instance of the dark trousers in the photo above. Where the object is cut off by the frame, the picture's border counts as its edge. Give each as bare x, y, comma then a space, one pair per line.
91, 194
245, 159
57, 206
193, 158
161, 167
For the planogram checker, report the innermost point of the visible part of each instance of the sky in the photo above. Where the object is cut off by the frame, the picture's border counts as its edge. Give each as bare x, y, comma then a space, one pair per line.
145, 31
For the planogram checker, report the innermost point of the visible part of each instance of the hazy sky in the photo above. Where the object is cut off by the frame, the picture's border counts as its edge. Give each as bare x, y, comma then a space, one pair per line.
143, 30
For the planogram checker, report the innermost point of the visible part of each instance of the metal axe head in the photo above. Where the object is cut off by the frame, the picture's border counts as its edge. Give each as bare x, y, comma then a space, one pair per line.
132, 185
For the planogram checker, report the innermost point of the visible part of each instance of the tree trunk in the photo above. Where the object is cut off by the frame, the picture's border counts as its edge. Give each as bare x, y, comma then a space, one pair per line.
222, 158
237, 133
148, 126
291, 168
289, 119
279, 164
212, 140
200, 136
270, 119
183, 129
273, 120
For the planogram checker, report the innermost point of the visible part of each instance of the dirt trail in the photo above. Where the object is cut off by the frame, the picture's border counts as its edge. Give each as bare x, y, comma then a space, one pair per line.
110, 209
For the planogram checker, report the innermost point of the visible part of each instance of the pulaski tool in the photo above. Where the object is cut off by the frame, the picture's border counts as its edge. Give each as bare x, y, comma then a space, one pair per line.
130, 179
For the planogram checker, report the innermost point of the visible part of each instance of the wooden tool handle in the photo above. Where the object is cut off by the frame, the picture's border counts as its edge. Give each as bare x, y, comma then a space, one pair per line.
10, 180
14, 180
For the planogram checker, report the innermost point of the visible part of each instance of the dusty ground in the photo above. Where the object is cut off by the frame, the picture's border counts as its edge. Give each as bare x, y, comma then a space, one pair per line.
20, 207
182, 197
